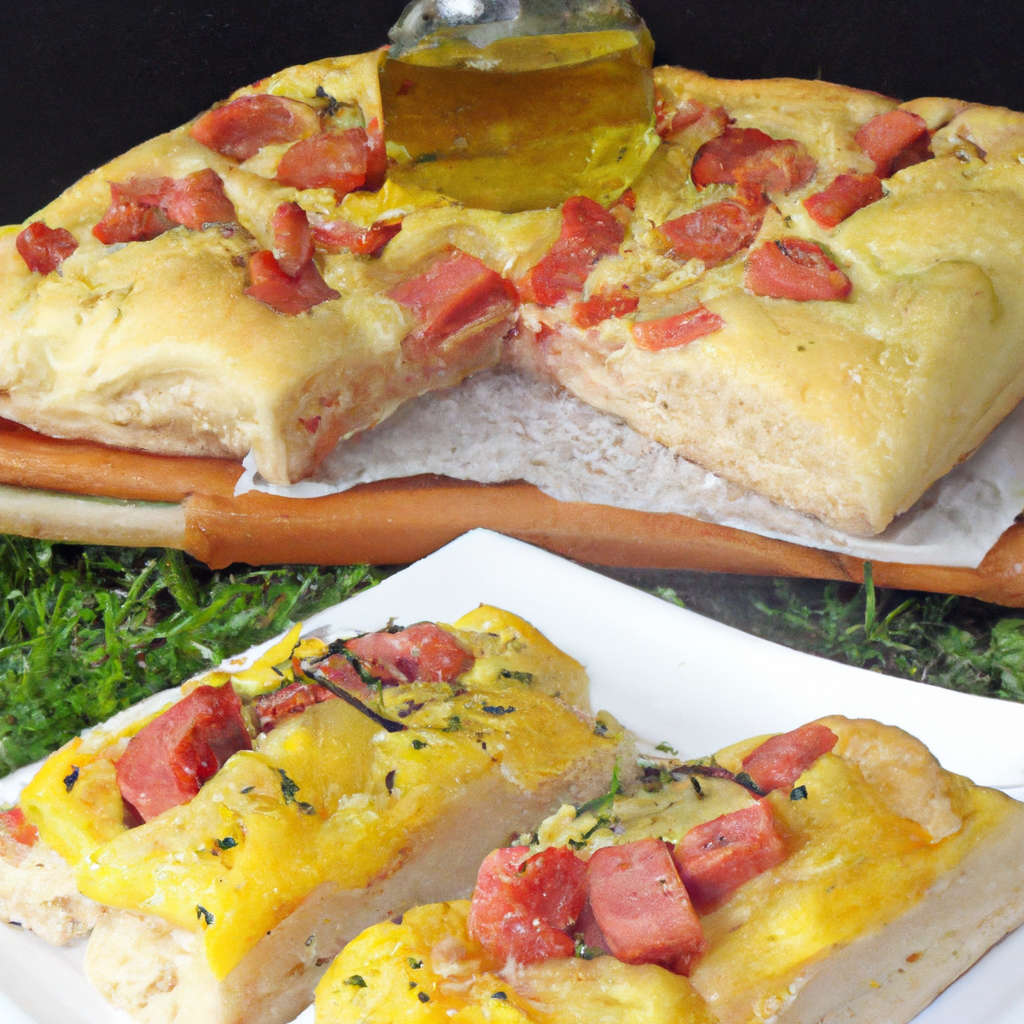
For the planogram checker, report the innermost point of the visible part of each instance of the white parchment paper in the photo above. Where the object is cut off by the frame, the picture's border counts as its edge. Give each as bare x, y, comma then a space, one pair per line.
500, 426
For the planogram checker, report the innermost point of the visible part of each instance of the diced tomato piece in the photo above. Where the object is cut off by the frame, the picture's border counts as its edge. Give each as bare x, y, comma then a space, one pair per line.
335, 160
641, 905
241, 128
846, 194
197, 199
712, 234
750, 158
523, 906
673, 331
292, 699
167, 761
780, 761
600, 306
131, 222
793, 268
291, 295
18, 828
886, 135
293, 241
422, 653
44, 249
715, 858
339, 235
376, 157
589, 232
455, 292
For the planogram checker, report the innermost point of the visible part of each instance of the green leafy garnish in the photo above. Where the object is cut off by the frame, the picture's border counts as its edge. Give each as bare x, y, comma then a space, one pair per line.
602, 803
87, 631
356, 980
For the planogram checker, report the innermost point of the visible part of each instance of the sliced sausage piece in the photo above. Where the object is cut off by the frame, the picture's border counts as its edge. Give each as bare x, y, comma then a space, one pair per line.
642, 907
716, 857
885, 136
241, 128
674, 331
781, 760
794, 268
712, 234
285, 294
44, 249
422, 653
167, 761
523, 906
845, 194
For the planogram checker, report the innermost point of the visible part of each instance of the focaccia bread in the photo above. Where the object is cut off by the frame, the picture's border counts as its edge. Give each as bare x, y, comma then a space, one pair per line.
223, 850
819, 295
862, 884
224, 296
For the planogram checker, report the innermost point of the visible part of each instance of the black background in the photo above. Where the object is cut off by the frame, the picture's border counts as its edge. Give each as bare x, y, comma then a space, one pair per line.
81, 82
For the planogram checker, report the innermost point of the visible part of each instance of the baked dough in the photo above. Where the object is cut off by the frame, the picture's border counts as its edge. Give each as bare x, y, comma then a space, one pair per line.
153, 344
848, 410
229, 907
897, 876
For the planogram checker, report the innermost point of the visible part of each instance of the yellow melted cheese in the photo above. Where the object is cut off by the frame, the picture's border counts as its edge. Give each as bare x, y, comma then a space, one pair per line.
327, 796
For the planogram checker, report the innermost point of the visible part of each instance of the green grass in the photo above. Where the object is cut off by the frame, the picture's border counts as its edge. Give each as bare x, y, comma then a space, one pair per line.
948, 641
85, 632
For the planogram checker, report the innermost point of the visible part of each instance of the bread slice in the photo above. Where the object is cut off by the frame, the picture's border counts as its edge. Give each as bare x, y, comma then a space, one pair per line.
849, 408
895, 877
229, 907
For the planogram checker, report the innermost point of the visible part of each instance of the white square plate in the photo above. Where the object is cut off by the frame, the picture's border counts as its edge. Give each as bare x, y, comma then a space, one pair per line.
666, 673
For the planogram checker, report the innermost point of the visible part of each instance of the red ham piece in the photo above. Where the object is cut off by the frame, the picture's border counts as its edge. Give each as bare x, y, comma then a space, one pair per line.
167, 761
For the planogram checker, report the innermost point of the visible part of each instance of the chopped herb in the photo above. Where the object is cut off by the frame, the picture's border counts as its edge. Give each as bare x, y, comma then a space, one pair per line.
332, 103
585, 952
356, 981
696, 787
389, 780
413, 984
602, 802
498, 995
497, 709
70, 780
419, 744
202, 914
414, 963
409, 707
576, 844
519, 677
425, 158
800, 793
288, 787
600, 728
247, 789
666, 748
227, 843
423, 997
748, 783
454, 724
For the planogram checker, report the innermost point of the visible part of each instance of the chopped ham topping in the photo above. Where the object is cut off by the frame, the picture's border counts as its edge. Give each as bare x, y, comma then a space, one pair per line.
421, 653
523, 906
715, 858
44, 249
674, 331
780, 761
601, 306
293, 241
589, 232
336, 160
340, 235
292, 699
283, 292
846, 194
885, 137
169, 759
642, 907
712, 234
241, 128
794, 268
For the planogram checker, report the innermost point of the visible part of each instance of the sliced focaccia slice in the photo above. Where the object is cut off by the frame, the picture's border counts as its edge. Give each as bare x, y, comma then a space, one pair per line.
234, 845
817, 294
231, 286
832, 873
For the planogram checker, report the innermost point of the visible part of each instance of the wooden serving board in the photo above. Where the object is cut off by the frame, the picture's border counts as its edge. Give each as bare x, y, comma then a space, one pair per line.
83, 492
